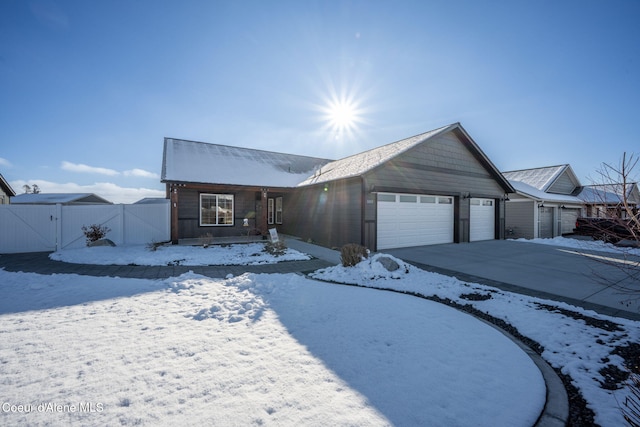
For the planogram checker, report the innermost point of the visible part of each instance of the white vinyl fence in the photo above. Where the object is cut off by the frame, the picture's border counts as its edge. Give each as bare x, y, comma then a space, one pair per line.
41, 228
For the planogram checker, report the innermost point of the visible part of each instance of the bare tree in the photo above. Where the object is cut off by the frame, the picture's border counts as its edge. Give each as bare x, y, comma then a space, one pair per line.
612, 200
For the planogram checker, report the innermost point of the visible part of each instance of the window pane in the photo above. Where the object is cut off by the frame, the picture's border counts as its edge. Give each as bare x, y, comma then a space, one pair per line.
278, 210
427, 199
386, 197
225, 209
444, 200
408, 199
207, 209
475, 202
487, 203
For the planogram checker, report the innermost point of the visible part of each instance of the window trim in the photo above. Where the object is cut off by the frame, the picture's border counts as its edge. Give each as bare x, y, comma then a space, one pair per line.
217, 195
270, 210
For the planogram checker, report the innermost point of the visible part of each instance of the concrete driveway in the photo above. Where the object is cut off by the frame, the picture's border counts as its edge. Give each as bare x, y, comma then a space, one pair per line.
550, 272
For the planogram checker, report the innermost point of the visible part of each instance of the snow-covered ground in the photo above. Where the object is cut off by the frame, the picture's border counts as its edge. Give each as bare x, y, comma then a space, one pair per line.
236, 254
570, 343
287, 350
250, 350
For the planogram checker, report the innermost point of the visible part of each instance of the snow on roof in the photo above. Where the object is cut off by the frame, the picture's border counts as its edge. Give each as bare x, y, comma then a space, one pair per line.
605, 193
63, 198
540, 178
531, 191
190, 161
363, 162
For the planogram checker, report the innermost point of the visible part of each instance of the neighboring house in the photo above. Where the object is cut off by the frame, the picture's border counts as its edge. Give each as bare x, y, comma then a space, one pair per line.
6, 192
607, 199
436, 187
62, 198
545, 204
151, 201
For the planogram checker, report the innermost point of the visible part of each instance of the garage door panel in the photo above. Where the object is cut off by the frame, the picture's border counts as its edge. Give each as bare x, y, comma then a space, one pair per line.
568, 216
413, 220
482, 220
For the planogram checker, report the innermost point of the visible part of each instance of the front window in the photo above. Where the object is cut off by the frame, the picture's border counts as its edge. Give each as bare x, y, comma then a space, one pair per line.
216, 209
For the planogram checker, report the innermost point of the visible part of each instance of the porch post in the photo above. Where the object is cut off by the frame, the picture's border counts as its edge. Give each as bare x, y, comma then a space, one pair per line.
174, 214
263, 212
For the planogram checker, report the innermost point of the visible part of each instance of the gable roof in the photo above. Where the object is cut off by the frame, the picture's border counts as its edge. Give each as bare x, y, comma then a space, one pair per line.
6, 187
200, 162
542, 178
362, 163
62, 198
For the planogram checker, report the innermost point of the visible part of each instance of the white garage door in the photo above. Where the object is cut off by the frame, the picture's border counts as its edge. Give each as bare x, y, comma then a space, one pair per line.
414, 220
482, 220
568, 218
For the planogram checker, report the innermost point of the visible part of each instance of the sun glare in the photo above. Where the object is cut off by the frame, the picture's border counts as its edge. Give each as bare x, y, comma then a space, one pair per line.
342, 116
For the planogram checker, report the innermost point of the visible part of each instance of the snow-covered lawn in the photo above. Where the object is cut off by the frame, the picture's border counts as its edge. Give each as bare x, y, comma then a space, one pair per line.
288, 350
250, 350
236, 254
579, 342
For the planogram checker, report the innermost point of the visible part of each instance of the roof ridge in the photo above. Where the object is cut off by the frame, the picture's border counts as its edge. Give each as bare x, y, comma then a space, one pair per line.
532, 169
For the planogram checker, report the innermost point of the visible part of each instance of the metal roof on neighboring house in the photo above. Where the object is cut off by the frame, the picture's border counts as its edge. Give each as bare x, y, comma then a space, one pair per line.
539, 178
62, 198
530, 191
200, 162
608, 193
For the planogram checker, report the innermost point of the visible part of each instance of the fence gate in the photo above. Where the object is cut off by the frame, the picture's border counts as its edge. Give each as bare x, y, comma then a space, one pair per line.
27, 228
45, 228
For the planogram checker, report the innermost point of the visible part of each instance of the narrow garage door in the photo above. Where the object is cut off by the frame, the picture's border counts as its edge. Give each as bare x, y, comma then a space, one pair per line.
482, 222
414, 220
568, 218
545, 223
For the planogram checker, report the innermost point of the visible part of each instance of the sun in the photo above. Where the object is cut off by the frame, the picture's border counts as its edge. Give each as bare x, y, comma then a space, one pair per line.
342, 115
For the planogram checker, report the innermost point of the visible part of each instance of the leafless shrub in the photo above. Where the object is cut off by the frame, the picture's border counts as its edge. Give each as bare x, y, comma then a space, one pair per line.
95, 232
352, 253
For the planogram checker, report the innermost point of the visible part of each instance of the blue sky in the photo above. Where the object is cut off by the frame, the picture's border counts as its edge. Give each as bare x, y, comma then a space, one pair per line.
89, 89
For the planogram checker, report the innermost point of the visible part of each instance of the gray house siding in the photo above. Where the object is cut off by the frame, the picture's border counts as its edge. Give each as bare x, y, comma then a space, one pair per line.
246, 205
563, 185
443, 166
329, 214
519, 216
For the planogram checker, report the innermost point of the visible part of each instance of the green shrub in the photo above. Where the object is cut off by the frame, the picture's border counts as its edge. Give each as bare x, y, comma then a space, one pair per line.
352, 253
